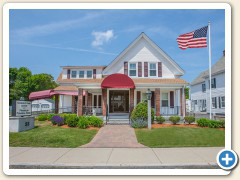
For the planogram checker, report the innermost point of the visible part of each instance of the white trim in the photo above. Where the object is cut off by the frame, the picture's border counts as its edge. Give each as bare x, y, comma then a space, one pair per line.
136, 63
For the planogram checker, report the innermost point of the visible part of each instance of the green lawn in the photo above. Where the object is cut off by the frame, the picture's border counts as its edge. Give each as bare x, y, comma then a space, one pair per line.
181, 137
52, 136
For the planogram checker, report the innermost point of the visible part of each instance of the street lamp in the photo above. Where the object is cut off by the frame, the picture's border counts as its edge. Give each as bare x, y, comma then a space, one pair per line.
149, 96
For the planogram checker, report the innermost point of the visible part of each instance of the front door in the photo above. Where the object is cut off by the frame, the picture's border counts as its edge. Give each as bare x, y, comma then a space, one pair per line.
118, 101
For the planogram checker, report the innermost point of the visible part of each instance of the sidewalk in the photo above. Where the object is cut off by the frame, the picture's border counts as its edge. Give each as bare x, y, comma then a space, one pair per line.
108, 136
81, 158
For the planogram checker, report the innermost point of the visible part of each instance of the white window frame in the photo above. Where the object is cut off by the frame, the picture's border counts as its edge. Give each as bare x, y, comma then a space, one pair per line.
150, 69
72, 76
133, 69
221, 101
42, 106
168, 95
87, 72
83, 74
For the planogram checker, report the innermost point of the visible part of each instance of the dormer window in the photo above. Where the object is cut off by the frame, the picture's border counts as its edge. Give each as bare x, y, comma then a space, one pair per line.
74, 74
153, 69
89, 73
132, 69
81, 74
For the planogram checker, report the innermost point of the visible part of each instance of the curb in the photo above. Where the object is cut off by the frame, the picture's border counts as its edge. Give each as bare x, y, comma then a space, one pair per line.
178, 166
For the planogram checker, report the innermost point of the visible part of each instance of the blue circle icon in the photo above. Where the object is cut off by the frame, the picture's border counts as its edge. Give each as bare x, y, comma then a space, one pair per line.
227, 159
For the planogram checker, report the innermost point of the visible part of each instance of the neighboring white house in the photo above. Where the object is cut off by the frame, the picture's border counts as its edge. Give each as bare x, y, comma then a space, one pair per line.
43, 105
199, 90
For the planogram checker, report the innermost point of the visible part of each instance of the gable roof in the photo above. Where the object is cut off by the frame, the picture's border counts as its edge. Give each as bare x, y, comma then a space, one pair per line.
154, 45
218, 67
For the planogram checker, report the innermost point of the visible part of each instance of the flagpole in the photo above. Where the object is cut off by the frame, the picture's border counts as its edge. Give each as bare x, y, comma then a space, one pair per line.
210, 69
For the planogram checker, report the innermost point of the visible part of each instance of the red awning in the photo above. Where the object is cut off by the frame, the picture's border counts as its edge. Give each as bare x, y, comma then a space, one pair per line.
41, 94
118, 81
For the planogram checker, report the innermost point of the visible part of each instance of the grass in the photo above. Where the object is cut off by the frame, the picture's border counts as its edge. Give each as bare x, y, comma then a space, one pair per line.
181, 137
52, 136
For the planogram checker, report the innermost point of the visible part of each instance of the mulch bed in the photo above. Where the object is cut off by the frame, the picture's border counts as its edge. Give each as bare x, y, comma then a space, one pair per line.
179, 125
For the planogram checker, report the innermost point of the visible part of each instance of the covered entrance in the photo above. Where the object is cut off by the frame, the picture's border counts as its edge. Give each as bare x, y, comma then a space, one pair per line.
118, 101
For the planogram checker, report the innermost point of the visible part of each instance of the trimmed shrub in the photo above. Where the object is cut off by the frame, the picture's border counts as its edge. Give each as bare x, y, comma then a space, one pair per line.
141, 112
203, 122
174, 119
71, 120
83, 122
222, 123
95, 121
160, 119
43, 117
139, 123
57, 120
189, 119
214, 124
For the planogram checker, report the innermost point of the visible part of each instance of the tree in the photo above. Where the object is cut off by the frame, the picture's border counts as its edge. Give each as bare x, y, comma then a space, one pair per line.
22, 83
39, 82
187, 92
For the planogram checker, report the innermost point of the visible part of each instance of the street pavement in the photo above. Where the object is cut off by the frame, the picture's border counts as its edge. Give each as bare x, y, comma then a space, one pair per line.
81, 158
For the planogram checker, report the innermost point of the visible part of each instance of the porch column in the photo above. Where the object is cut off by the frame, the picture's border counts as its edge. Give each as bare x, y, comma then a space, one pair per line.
131, 100
56, 103
157, 94
80, 102
86, 98
73, 104
184, 102
104, 102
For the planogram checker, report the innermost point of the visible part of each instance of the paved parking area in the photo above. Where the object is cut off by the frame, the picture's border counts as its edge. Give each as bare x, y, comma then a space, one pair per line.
114, 157
114, 136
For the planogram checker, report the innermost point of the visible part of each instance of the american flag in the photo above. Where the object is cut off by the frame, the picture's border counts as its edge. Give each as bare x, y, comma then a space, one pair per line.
194, 39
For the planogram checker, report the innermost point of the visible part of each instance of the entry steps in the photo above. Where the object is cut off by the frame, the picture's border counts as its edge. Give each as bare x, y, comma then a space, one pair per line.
118, 118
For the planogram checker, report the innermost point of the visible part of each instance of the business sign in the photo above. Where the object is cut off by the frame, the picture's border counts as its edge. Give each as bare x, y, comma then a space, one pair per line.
22, 108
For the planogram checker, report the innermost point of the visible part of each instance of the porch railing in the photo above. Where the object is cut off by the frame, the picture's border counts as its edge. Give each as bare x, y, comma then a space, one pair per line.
92, 110
170, 110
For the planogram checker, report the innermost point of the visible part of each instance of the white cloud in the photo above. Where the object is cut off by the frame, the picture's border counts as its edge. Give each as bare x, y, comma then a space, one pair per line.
102, 37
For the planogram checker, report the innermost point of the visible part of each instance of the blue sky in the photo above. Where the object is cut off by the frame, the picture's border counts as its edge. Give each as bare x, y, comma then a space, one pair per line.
44, 40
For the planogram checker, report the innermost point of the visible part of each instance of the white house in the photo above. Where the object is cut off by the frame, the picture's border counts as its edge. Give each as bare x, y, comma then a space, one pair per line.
43, 105
118, 87
199, 90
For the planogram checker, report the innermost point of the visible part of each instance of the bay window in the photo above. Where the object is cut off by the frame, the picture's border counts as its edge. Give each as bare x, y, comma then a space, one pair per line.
74, 74
89, 73
81, 74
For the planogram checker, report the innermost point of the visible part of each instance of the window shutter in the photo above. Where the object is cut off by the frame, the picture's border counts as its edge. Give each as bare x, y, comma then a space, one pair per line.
153, 100
171, 99
126, 68
219, 102
159, 69
138, 97
215, 102
214, 80
145, 69
94, 73
139, 69
68, 73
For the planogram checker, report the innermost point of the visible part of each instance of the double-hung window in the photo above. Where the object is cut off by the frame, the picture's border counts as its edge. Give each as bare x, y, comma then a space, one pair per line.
164, 99
214, 102
132, 69
89, 73
204, 87
74, 74
153, 69
81, 74
213, 82
45, 106
222, 102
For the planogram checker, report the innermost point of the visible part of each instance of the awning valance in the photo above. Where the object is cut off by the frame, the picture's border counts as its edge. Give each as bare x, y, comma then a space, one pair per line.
41, 94
118, 81
49, 93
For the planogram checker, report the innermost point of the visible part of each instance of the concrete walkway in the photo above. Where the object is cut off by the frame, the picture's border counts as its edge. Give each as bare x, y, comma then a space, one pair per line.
79, 158
114, 136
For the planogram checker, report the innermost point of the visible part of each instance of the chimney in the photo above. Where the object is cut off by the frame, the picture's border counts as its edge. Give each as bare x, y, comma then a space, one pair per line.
224, 52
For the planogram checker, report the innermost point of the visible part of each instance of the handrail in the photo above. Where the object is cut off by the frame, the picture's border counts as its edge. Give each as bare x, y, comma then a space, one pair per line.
106, 114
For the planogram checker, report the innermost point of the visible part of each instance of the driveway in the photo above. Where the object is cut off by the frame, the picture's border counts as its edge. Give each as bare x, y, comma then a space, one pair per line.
114, 136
